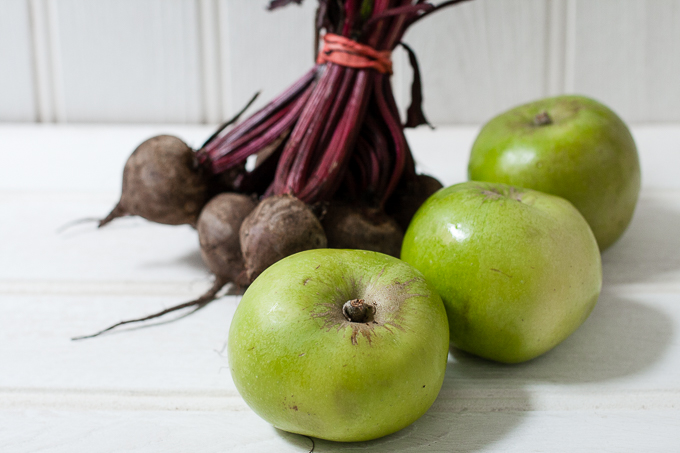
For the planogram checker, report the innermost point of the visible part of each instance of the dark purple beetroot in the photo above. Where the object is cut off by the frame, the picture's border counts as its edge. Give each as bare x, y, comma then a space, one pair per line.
280, 226
162, 182
351, 227
406, 200
218, 233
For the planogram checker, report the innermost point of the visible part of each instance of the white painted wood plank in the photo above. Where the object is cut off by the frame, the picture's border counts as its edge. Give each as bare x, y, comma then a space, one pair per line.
79, 175
627, 54
129, 250
442, 153
263, 51
624, 357
611, 386
480, 58
68, 163
60, 286
17, 83
129, 60
647, 255
155, 363
445, 151
658, 148
77, 157
133, 431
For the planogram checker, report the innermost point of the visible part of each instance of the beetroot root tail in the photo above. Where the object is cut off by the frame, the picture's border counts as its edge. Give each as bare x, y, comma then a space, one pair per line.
117, 211
199, 303
76, 222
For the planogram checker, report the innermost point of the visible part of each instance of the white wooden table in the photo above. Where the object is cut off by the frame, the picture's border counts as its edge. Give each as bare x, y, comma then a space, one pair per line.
614, 385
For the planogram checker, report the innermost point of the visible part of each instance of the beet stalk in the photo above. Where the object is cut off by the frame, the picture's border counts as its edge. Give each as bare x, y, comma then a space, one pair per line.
326, 110
334, 138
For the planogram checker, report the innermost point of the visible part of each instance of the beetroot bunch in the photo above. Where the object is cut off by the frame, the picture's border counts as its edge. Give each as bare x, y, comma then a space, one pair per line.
333, 166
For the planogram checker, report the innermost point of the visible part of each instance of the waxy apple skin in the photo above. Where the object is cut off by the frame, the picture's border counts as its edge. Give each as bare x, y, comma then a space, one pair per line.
518, 270
586, 154
301, 366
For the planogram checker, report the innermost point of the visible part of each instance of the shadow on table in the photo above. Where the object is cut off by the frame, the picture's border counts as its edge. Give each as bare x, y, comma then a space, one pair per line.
435, 431
648, 250
620, 338
88, 226
481, 402
191, 259
457, 421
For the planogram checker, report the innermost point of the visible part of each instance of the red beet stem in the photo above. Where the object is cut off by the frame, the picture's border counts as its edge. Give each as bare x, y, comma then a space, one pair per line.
325, 178
296, 155
401, 10
328, 110
240, 155
215, 149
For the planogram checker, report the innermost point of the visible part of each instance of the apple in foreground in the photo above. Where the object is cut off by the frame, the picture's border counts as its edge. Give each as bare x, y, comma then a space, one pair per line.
518, 270
344, 345
570, 146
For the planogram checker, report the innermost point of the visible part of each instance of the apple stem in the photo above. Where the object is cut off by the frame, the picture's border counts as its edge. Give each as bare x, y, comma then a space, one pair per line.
542, 119
357, 310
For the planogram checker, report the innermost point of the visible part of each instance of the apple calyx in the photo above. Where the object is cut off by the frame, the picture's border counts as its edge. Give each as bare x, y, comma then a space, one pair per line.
542, 119
357, 310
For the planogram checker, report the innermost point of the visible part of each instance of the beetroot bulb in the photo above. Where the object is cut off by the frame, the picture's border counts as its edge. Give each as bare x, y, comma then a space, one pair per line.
218, 233
281, 225
163, 183
353, 227
406, 200
336, 133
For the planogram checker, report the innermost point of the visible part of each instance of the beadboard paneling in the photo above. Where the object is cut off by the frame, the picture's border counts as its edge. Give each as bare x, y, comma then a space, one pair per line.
627, 54
17, 95
263, 50
192, 61
481, 57
129, 60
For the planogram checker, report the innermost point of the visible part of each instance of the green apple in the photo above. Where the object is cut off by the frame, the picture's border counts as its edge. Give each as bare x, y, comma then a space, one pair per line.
344, 345
518, 270
569, 146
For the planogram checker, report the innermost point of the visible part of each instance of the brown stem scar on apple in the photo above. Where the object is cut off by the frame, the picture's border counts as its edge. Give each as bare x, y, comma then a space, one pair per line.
542, 119
357, 310
381, 306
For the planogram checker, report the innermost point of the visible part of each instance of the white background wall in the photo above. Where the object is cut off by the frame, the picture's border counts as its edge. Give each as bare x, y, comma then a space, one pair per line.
193, 61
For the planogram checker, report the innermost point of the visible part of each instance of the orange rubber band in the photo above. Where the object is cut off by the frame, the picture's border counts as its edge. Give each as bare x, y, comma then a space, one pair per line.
345, 52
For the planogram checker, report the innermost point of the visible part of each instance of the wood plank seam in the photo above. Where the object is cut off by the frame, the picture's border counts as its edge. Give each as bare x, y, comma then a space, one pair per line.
209, 29
555, 60
42, 61
227, 88
460, 401
570, 47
